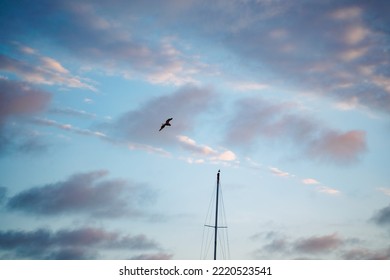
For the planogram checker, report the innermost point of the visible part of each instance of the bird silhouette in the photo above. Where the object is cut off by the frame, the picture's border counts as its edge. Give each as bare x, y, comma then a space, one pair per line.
166, 123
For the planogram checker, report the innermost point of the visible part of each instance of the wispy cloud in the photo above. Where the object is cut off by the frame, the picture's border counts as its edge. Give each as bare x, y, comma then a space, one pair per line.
255, 35
73, 112
327, 190
310, 181
68, 127
279, 173
319, 187
113, 43
45, 71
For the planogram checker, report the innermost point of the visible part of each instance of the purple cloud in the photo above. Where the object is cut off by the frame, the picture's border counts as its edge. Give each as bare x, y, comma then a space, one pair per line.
79, 243
19, 98
321, 246
85, 193
257, 118
367, 254
157, 256
318, 244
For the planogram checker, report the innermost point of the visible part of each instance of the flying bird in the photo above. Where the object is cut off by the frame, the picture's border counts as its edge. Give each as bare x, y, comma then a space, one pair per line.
166, 123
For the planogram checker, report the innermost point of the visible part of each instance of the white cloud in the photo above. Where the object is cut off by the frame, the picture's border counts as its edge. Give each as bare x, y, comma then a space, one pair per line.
191, 144
205, 152
327, 190
278, 172
53, 64
310, 181
47, 71
227, 156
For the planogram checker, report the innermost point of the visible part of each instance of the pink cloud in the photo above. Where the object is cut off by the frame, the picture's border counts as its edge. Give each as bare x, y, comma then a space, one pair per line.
279, 172
18, 98
342, 147
310, 181
317, 244
283, 123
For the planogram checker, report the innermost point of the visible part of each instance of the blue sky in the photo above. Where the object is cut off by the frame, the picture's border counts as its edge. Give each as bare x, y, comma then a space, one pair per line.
289, 99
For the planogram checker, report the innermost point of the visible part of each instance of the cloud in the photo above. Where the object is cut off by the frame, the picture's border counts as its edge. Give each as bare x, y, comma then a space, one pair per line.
300, 55
78, 243
20, 100
85, 193
257, 118
73, 112
343, 147
318, 244
68, 127
327, 190
157, 256
141, 125
382, 217
310, 181
280, 245
204, 151
279, 172
45, 71
112, 42
367, 254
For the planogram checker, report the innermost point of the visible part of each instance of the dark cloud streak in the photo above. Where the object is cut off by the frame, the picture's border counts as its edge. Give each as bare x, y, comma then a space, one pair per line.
85, 193
79, 243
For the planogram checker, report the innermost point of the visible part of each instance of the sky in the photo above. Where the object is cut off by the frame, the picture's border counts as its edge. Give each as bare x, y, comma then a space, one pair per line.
289, 99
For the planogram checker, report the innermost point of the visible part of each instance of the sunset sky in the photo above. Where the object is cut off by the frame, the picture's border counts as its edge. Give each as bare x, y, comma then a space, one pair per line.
289, 99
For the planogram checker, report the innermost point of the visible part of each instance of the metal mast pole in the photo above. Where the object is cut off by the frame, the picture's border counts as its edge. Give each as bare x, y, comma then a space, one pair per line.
216, 218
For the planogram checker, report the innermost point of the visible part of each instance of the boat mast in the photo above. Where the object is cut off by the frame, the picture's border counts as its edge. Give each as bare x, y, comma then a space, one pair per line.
216, 218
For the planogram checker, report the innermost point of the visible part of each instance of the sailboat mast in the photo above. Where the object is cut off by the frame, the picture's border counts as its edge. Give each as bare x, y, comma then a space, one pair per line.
216, 218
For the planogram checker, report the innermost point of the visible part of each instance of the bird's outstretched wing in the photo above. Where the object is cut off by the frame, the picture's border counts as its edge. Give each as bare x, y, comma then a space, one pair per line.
162, 126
